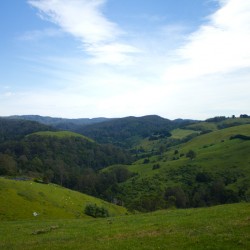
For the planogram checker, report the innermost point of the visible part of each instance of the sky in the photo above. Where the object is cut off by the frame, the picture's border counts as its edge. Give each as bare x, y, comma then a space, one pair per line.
116, 58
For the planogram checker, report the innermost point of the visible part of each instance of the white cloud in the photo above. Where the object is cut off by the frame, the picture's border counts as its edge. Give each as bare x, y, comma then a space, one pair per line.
112, 53
84, 20
221, 46
81, 18
208, 75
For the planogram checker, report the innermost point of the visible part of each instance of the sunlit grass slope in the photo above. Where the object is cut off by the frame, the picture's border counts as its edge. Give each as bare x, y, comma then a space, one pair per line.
182, 133
61, 134
216, 154
219, 227
214, 149
212, 126
20, 199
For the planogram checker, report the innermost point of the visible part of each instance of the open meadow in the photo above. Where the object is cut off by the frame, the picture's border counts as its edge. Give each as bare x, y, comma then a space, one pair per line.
219, 227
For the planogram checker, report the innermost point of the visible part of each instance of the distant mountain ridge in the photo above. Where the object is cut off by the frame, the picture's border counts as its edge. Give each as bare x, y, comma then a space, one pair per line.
57, 120
14, 129
123, 132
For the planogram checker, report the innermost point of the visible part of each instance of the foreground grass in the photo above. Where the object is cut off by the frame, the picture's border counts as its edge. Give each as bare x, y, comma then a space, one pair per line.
220, 227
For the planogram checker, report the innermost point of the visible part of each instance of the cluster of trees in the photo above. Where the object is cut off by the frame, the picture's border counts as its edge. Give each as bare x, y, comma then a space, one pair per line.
242, 137
125, 132
217, 119
223, 118
185, 187
244, 116
59, 160
11, 129
104, 184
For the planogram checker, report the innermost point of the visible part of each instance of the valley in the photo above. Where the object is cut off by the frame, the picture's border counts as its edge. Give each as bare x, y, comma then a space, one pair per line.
154, 180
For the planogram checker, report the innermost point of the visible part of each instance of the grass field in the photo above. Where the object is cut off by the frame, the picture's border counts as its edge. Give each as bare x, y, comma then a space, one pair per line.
219, 227
20, 199
182, 133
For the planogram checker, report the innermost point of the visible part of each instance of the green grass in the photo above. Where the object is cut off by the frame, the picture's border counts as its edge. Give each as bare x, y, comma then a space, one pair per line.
19, 199
216, 155
181, 133
61, 134
219, 227
214, 149
203, 126
218, 136
213, 126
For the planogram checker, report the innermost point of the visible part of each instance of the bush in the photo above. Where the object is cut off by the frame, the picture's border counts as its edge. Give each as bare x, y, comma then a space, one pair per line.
191, 154
242, 137
95, 211
156, 166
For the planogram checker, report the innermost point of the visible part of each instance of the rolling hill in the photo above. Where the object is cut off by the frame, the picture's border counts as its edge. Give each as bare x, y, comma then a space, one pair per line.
175, 164
28, 200
47, 120
61, 157
216, 172
127, 132
14, 129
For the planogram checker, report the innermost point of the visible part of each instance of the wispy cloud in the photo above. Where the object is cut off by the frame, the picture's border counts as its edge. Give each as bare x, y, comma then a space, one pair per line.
40, 34
84, 20
220, 46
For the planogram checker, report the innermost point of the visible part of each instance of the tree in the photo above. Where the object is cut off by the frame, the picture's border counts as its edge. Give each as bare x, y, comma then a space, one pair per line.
191, 154
156, 166
7, 165
176, 195
95, 211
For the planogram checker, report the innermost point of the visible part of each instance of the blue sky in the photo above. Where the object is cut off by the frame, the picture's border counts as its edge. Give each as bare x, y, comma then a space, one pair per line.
116, 58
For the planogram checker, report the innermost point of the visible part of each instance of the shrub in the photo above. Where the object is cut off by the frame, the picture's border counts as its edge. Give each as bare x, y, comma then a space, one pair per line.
156, 166
191, 154
95, 211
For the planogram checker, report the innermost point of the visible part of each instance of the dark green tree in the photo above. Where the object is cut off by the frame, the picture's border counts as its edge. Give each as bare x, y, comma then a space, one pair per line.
96, 211
191, 154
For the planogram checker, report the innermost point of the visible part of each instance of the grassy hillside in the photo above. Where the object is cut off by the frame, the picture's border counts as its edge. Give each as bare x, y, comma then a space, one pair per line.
215, 124
20, 199
219, 227
218, 173
182, 133
61, 134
